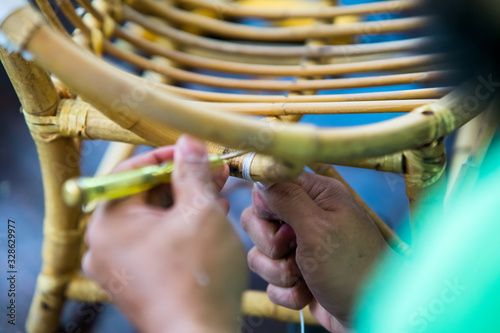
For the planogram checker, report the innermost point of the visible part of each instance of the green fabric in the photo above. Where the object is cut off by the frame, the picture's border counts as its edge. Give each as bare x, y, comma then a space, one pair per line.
453, 282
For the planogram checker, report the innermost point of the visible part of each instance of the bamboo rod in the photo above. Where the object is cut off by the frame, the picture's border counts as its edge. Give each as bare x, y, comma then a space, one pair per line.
388, 163
288, 60
186, 59
422, 93
110, 7
300, 33
389, 235
284, 109
80, 120
186, 39
50, 15
277, 85
315, 11
115, 153
69, 12
253, 303
294, 142
59, 161
98, 127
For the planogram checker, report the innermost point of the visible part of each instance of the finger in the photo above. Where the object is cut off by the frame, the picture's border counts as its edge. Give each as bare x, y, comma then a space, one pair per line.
280, 272
156, 156
260, 207
271, 238
296, 297
191, 181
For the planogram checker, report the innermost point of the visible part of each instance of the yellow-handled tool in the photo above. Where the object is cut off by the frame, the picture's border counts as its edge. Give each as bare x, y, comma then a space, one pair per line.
85, 191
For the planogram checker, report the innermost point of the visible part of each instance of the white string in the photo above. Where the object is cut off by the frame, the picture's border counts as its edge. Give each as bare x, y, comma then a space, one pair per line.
245, 170
302, 329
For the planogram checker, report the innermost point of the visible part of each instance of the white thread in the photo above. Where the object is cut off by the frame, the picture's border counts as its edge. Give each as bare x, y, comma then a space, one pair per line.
302, 328
245, 169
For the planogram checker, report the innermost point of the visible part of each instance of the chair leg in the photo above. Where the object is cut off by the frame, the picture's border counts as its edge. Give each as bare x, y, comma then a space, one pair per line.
59, 160
62, 236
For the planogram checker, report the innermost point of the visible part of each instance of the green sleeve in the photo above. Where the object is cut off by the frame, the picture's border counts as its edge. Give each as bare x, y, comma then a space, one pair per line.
453, 282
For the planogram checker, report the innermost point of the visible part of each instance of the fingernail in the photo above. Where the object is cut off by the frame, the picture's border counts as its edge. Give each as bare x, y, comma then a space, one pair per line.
192, 150
262, 186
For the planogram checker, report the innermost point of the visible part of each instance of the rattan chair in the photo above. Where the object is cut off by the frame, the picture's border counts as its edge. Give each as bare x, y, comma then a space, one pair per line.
71, 93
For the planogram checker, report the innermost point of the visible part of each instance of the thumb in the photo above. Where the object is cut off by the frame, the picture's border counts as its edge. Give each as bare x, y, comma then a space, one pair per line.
191, 181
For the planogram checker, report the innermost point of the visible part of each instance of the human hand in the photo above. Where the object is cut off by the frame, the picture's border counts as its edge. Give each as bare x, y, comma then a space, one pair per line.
179, 268
320, 255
